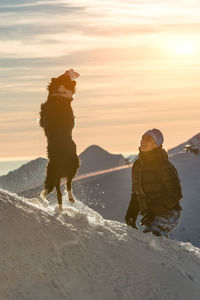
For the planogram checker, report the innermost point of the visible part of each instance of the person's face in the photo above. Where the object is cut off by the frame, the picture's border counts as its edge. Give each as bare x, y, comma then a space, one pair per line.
147, 143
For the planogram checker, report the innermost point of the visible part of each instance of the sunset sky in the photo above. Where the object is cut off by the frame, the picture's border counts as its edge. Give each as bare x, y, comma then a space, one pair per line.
139, 63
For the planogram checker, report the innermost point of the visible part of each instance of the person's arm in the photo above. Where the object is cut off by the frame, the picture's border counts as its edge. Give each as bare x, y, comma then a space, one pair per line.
132, 211
171, 184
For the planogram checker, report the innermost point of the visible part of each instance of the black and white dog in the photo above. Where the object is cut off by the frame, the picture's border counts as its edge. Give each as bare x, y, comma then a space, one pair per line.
57, 120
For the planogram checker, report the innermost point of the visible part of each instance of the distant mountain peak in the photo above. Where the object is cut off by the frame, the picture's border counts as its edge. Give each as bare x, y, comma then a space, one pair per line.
95, 149
96, 158
194, 141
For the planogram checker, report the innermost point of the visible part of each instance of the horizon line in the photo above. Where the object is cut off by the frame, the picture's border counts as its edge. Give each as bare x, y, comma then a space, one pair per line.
32, 157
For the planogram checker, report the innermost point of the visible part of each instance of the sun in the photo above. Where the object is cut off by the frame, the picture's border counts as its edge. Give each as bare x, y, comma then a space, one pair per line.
184, 46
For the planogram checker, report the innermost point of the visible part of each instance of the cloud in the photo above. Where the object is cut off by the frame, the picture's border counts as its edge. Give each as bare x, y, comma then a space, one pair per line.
31, 3
128, 82
35, 30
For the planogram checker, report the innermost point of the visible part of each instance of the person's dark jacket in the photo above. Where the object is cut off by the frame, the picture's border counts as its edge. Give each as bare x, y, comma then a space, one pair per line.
155, 185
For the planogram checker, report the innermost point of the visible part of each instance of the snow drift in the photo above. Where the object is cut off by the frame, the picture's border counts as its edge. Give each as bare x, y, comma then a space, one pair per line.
79, 255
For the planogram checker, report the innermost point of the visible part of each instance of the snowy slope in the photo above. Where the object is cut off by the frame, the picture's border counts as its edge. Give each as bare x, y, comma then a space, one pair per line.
194, 141
109, 195
27, 176
79, 255
188, 166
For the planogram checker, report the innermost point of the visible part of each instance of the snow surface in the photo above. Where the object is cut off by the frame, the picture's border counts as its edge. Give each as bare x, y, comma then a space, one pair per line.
80, 255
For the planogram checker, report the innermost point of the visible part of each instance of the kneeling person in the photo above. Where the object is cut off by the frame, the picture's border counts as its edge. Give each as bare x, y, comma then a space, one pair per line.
156, 189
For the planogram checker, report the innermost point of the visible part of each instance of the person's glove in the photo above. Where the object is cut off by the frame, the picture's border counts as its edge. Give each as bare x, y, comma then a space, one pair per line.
130, 222
147, 218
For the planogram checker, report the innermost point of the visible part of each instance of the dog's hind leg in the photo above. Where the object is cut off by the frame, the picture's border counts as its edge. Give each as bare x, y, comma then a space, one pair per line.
43, 195
69, 190
48, 188
48, 184
59, 195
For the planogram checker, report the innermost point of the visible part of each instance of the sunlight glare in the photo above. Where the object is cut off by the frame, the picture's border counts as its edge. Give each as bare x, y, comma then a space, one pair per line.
185, 48
182, 46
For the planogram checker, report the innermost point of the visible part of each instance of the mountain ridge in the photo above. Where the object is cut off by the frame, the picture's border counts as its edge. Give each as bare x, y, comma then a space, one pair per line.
32, 174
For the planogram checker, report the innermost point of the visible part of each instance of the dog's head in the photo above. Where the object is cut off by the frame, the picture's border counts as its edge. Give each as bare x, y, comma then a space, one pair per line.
64, 85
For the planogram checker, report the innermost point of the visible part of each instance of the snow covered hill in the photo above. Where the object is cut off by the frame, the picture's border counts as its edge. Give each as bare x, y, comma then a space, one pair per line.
194, 141
27, 176
109, 195
79, 255
32, 174
188, 166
